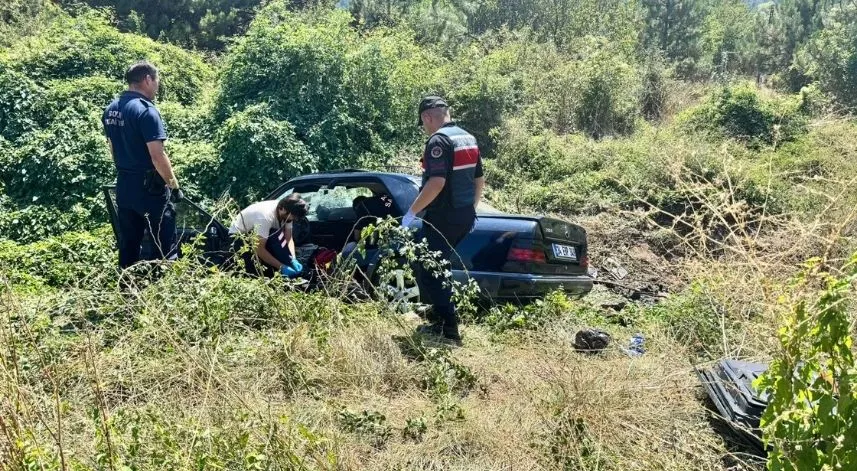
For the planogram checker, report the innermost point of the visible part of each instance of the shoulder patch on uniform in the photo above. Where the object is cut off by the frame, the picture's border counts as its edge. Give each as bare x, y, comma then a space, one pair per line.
436, 152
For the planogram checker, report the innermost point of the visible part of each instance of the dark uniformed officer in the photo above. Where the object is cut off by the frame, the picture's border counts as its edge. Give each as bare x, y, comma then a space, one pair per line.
146, 186
452, 187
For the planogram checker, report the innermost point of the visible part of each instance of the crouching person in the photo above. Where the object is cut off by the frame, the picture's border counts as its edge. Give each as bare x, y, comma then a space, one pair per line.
270, 224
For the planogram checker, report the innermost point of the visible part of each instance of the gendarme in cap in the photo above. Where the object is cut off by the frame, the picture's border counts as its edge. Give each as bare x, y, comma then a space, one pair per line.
428, 103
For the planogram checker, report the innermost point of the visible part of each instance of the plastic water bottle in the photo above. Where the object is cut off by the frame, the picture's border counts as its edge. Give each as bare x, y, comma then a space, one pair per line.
637, 347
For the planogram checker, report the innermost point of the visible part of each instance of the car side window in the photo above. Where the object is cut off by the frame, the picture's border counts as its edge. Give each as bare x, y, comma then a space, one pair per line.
331, 204
191, 219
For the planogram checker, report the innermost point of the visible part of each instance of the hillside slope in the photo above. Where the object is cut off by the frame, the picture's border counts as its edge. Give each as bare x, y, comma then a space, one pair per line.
712, 165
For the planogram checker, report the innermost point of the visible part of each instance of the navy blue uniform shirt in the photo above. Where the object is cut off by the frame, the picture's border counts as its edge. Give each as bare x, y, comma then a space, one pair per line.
131, 121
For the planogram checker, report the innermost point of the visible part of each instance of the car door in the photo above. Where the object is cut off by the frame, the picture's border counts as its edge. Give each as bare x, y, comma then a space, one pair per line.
191, 221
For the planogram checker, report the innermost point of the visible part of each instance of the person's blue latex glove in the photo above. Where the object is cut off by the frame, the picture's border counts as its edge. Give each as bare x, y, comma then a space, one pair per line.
297, 265
289, 272
408, 219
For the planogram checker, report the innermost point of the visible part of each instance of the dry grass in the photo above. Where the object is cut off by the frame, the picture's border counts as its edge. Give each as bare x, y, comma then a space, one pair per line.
536, 404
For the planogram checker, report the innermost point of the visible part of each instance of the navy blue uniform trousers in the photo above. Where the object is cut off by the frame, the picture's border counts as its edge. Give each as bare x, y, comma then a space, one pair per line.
443, 230
138, 210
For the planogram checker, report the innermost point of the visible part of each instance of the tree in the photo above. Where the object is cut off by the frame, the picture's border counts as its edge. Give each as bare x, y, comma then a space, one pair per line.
831, 56
441, 21
205, 24
86, 45
24, 17
496, 14
435, 21
562, 22
256, 152
597, 94
349, 96
373, 13
783, 30
675, 27
727, 39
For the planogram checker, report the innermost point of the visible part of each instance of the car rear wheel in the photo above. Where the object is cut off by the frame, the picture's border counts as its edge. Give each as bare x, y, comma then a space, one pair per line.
398, 287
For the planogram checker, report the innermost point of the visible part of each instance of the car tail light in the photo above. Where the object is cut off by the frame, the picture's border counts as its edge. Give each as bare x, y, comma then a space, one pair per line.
526, 255
584, 262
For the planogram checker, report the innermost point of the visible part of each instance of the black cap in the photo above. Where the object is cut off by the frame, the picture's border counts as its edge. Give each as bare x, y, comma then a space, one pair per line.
427, 103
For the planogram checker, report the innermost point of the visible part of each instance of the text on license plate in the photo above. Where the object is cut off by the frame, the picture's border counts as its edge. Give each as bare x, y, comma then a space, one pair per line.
564, 251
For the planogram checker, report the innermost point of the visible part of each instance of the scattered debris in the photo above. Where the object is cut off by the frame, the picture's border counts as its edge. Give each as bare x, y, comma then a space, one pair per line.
648, 293
636, 347
630, 257
591, 340
606, 299
592, 272
729, 384
614, 268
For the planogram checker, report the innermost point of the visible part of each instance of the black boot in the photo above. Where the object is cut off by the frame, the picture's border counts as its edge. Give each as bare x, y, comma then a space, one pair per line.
450, 326
433, 330
442, 332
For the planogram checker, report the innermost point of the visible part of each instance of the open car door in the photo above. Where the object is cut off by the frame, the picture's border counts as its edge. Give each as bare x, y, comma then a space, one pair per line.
191, 221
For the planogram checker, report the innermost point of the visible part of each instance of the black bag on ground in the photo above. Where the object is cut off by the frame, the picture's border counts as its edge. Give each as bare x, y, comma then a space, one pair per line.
591, 340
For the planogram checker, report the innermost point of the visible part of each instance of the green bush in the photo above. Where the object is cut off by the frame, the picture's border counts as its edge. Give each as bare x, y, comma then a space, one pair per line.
26, 106
691, 318
19, 97
196, 166
59, 166
597, 95
348, 95
740, 112
190, 123
64, 259
657, 166
24, 17
812, 410
533, 316
574, 174
84, 93
654, 95
257, 153
484, 89
32, 222
87, 45
205, 24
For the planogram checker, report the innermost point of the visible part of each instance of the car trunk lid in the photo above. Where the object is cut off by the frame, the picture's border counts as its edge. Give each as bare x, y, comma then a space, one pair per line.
563, 242
552, 246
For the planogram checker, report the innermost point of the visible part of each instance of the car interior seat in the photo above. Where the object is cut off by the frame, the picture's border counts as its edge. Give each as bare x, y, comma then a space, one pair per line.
322, 213
378, 205
368, 208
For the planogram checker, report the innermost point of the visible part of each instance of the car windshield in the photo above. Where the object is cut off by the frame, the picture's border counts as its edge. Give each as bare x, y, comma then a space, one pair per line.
334, 203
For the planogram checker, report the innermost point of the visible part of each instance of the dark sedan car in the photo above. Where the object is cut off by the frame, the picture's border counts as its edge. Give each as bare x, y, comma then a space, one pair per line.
511, 257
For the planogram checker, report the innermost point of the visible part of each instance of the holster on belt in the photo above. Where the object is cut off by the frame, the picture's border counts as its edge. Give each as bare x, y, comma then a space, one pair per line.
153, 183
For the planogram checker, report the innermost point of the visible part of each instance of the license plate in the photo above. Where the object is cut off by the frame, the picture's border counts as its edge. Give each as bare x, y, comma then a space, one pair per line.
564, 251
